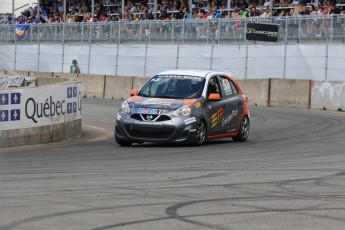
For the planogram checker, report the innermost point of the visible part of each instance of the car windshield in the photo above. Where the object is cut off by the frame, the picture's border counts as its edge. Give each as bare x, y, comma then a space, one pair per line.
173, 86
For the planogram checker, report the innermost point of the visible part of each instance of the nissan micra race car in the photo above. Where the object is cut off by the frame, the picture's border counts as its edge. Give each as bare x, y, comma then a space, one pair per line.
184, 106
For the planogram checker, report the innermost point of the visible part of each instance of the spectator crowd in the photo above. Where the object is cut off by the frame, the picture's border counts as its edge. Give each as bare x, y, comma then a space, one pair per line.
52, 11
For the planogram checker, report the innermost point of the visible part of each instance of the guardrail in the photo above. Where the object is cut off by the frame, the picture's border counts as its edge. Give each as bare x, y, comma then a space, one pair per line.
325, 29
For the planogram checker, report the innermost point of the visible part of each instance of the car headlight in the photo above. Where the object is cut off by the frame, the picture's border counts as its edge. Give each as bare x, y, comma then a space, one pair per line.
183, 111
125, 107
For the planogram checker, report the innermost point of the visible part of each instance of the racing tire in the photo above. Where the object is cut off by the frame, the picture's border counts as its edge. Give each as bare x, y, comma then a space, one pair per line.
123, 142
243, 132
200, 134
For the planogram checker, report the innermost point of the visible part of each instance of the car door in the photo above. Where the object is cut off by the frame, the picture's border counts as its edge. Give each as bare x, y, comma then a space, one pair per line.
215, 109
233, 105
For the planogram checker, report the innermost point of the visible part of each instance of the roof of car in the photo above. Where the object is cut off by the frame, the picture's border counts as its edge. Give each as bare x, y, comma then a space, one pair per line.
198, 73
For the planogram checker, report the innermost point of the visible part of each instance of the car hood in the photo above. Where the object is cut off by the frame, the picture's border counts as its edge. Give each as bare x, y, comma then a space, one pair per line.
158, 103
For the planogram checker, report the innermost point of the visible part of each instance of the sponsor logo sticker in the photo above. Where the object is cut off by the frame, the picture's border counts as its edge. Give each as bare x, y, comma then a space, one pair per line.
228, 119
216, 116
190, 120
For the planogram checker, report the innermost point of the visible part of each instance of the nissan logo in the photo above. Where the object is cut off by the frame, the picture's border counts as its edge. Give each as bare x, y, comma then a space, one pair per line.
149, 117
130, 127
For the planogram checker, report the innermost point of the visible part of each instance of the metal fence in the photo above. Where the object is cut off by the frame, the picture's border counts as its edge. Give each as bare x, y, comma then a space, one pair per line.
308, 29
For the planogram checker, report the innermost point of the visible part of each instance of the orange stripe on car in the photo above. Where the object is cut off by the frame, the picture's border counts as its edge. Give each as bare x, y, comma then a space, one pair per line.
189, 101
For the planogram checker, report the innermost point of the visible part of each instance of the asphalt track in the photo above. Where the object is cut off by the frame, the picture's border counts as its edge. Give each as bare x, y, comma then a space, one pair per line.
290, 174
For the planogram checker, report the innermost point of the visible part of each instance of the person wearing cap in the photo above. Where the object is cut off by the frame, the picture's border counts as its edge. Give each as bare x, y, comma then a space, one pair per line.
74, 67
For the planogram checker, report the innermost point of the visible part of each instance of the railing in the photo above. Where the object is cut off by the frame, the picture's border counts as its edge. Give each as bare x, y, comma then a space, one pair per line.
315, 29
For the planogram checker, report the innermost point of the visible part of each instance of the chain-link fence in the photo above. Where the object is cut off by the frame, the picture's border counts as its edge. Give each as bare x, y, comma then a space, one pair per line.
308, 29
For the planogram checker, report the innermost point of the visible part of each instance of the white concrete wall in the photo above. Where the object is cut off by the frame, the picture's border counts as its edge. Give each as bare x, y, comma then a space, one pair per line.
328, 95
314, 62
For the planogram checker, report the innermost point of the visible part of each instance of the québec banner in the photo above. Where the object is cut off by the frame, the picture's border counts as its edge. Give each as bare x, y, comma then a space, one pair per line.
40, 106
262, 32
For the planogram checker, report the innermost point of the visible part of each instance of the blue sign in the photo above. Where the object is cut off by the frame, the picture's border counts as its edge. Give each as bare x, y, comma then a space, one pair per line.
3, 115
4, 99
15, 98
15, 114
69, 107
75, 91
74, 107
69, 92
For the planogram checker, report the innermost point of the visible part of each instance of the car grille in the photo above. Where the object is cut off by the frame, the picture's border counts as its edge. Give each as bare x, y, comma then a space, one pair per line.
150, 131
148, 117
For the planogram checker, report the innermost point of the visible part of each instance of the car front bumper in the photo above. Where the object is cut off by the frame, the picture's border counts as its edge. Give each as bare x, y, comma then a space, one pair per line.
178, 129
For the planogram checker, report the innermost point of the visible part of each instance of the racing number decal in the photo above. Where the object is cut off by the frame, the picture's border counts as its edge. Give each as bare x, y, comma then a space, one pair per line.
216, 116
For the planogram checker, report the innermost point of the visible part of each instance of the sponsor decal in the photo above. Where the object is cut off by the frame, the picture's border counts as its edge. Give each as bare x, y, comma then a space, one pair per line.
216, 116
228, 119
147, 123
197, 105
262, 32
149, 111
192, 130
177, 76
190, 120
231, 130
118, 117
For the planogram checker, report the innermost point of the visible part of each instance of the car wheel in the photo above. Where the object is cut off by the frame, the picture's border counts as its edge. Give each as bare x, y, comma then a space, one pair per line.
243, 131
123, 142
200, 135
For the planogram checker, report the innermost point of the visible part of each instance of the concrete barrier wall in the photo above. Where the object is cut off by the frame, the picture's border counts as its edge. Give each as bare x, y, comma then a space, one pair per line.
328, 95
289, 93
40, 81
257, 91
40, 135
93, 85
117, 87
40, 74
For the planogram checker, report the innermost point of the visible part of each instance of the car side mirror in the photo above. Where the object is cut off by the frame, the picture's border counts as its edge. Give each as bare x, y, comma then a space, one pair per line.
214, 97
134, 92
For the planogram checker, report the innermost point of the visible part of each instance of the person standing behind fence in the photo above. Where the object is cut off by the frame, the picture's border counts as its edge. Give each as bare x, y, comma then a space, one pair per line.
74, 67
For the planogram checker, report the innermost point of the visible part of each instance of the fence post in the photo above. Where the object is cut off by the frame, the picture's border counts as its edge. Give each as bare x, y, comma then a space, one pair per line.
117, 58
299, 29
15, 48
89, 60
246, 62
211, 61
331, 29
38, 56
63, 46
177, 55
285, 51
145, 62
326, 64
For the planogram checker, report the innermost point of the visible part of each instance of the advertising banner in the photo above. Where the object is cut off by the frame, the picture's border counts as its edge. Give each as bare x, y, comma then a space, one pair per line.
262, 32
40, 106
